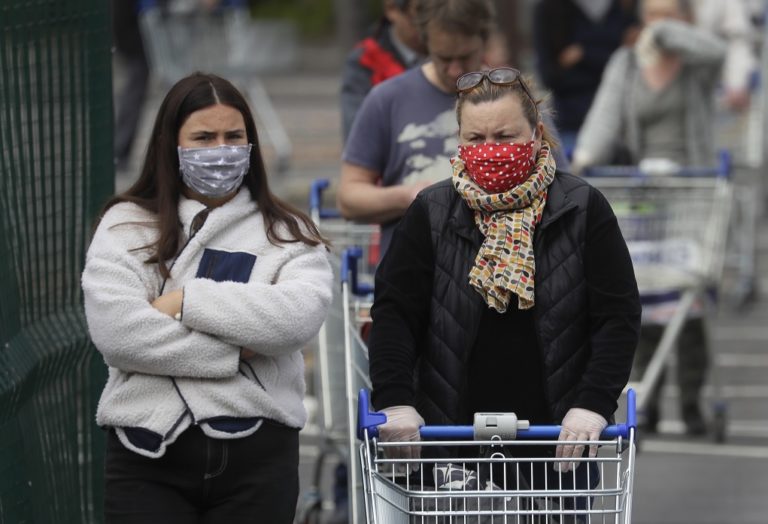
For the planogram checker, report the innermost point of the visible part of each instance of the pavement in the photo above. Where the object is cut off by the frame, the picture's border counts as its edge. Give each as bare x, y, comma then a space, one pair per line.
679, 479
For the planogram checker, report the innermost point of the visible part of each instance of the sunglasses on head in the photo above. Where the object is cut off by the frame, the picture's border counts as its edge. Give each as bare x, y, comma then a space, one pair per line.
501, 76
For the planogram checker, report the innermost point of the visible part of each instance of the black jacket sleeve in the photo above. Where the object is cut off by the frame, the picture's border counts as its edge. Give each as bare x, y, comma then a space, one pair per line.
614, 310
400, 313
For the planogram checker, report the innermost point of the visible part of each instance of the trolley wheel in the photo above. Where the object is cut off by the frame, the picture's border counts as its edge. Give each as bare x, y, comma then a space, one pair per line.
719, 422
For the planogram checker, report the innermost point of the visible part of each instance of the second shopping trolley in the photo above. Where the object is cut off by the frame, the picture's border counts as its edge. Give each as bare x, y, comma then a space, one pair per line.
342, 367
675, 222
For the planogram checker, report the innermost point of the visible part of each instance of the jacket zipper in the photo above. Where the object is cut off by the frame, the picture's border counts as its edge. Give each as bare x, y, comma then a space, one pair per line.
192, 233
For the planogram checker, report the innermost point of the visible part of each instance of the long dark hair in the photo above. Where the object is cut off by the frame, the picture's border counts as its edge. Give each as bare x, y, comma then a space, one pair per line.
158, 188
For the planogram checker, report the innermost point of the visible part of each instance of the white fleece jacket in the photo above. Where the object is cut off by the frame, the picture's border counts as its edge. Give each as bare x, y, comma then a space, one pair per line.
166, 374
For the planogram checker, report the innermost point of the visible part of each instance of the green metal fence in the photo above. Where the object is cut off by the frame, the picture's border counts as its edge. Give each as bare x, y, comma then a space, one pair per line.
55, 172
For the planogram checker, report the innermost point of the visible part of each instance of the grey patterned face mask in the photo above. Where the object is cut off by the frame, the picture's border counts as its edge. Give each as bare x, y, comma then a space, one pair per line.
214, 171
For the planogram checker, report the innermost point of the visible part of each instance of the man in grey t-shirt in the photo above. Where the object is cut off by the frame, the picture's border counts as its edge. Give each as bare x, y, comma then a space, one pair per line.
405, 131
405, 140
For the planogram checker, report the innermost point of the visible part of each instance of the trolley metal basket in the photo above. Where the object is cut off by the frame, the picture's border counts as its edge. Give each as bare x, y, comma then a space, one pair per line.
675, 225
496, 476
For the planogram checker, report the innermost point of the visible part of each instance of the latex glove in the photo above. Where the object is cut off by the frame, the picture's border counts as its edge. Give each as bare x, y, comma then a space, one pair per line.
402, 425
578, 424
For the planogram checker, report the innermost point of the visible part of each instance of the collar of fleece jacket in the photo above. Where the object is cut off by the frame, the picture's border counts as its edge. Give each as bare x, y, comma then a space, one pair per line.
241, 206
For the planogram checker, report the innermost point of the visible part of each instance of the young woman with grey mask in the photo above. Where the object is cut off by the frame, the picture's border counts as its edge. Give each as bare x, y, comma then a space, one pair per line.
201, 288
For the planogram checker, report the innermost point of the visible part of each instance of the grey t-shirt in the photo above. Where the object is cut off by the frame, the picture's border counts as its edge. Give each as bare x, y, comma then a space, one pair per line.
406, 130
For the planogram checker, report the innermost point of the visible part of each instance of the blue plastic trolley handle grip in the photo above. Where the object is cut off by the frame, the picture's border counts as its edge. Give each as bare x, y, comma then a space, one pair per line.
316, 192
349, 272
316, 198
369, 420
726, 163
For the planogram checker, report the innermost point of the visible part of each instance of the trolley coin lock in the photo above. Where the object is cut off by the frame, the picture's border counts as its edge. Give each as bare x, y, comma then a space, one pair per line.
499, 425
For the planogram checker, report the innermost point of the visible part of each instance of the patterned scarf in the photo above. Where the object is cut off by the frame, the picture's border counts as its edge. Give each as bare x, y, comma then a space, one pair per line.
505, 263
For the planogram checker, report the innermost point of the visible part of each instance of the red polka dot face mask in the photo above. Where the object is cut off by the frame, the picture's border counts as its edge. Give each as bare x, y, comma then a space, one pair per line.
498, 167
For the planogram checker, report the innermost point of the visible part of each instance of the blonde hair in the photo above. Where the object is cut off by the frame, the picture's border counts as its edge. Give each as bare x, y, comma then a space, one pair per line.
533, 108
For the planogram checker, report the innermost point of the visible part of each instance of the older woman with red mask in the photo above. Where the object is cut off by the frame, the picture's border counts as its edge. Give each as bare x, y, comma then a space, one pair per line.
507, 288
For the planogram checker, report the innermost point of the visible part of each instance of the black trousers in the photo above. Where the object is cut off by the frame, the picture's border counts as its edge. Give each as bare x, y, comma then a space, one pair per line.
202, 480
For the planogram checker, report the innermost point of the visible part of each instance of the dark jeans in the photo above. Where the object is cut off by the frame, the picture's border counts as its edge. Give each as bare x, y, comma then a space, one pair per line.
204, 480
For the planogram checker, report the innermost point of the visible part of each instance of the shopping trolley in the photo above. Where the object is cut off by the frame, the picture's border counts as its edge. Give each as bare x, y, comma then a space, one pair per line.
343, 370
181, 37
675, 222
342, 365
353, 263
356, 302
500, 471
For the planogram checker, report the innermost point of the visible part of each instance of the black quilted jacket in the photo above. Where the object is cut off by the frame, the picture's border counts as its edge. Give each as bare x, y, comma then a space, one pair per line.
426, 316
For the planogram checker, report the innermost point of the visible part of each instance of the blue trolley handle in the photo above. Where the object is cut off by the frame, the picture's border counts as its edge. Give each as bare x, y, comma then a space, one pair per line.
722, 170
370, 420
316, 199
349, 259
